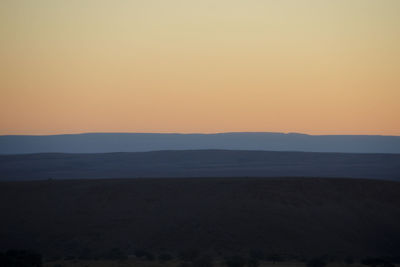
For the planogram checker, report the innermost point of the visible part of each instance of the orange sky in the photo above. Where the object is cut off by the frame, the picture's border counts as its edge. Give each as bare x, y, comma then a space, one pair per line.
310, 66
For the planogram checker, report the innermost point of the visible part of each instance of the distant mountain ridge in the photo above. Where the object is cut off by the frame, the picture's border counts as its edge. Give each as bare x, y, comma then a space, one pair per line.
142, 142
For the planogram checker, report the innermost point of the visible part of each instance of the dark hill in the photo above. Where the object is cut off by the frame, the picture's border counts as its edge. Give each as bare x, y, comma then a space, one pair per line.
200, 163
303, 217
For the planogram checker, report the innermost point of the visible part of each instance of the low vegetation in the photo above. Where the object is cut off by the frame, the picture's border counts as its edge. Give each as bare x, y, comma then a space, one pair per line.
201, 222
27, 258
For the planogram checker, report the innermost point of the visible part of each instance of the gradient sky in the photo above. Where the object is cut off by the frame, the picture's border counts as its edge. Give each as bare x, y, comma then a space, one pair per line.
310, 66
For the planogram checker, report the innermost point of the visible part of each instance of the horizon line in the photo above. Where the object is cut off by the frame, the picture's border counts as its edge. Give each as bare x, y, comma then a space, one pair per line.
196, 133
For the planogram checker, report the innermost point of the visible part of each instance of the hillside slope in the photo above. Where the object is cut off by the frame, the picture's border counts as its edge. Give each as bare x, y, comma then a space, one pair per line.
303, 217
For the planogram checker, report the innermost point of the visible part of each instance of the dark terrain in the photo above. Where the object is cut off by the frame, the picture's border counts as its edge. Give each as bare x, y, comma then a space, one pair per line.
199, 163
288, 216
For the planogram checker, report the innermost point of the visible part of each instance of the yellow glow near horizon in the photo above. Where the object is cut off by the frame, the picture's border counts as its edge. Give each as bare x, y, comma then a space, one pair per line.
310, 66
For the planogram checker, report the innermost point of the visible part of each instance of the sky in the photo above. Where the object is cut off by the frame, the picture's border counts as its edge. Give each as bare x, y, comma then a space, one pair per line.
309, 66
